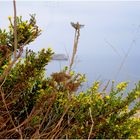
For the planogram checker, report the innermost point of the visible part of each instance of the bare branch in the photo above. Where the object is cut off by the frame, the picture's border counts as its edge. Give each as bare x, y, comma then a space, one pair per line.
92, 123
77, 28
15, 28
3, 99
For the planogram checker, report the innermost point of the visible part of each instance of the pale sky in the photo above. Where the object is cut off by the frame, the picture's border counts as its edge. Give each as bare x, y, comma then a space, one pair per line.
111, 30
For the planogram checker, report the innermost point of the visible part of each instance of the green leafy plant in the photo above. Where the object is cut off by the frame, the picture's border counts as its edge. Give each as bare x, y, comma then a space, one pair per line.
35, 106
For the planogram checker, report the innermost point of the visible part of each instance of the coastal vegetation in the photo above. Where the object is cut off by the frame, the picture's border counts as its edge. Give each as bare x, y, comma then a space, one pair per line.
35, 106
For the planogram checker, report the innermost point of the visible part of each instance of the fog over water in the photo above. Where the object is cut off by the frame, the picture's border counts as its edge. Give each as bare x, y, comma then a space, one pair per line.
109, 45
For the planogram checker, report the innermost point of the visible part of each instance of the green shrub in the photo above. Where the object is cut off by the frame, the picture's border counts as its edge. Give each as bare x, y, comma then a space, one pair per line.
34, 106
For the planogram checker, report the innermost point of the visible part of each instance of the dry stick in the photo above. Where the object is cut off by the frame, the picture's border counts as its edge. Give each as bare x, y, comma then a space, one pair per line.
15, 43
77, 61
3, 124
77, 35
67, 53
37, 132
6, 71
3, 99
92, 123
20, 133
25, 121
69, 120
124, 59
15, 28
46, 113
106, 86
60, 131
76, 38
55, 130
60, 121
114, 49
125, 56
2, 95
63, 126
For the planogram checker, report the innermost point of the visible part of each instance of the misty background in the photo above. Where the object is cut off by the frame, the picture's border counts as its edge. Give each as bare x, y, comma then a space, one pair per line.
109, 45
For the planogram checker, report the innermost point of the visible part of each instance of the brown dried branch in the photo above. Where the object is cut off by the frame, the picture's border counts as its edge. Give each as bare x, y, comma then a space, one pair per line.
15, 28
55, 130
91, 124
33, 113
3, 99
52, 100
77, 28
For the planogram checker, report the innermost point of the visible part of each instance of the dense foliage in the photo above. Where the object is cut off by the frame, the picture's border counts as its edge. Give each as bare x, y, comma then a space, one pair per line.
34, 106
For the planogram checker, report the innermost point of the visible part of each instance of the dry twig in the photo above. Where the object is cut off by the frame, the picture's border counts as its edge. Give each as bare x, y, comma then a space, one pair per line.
92, 123
77, 28
15, 28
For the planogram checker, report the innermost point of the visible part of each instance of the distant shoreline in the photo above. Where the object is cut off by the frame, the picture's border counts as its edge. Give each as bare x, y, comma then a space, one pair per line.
58, 57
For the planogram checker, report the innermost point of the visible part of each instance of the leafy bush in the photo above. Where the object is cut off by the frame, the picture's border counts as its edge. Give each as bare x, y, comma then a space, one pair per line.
33, 106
